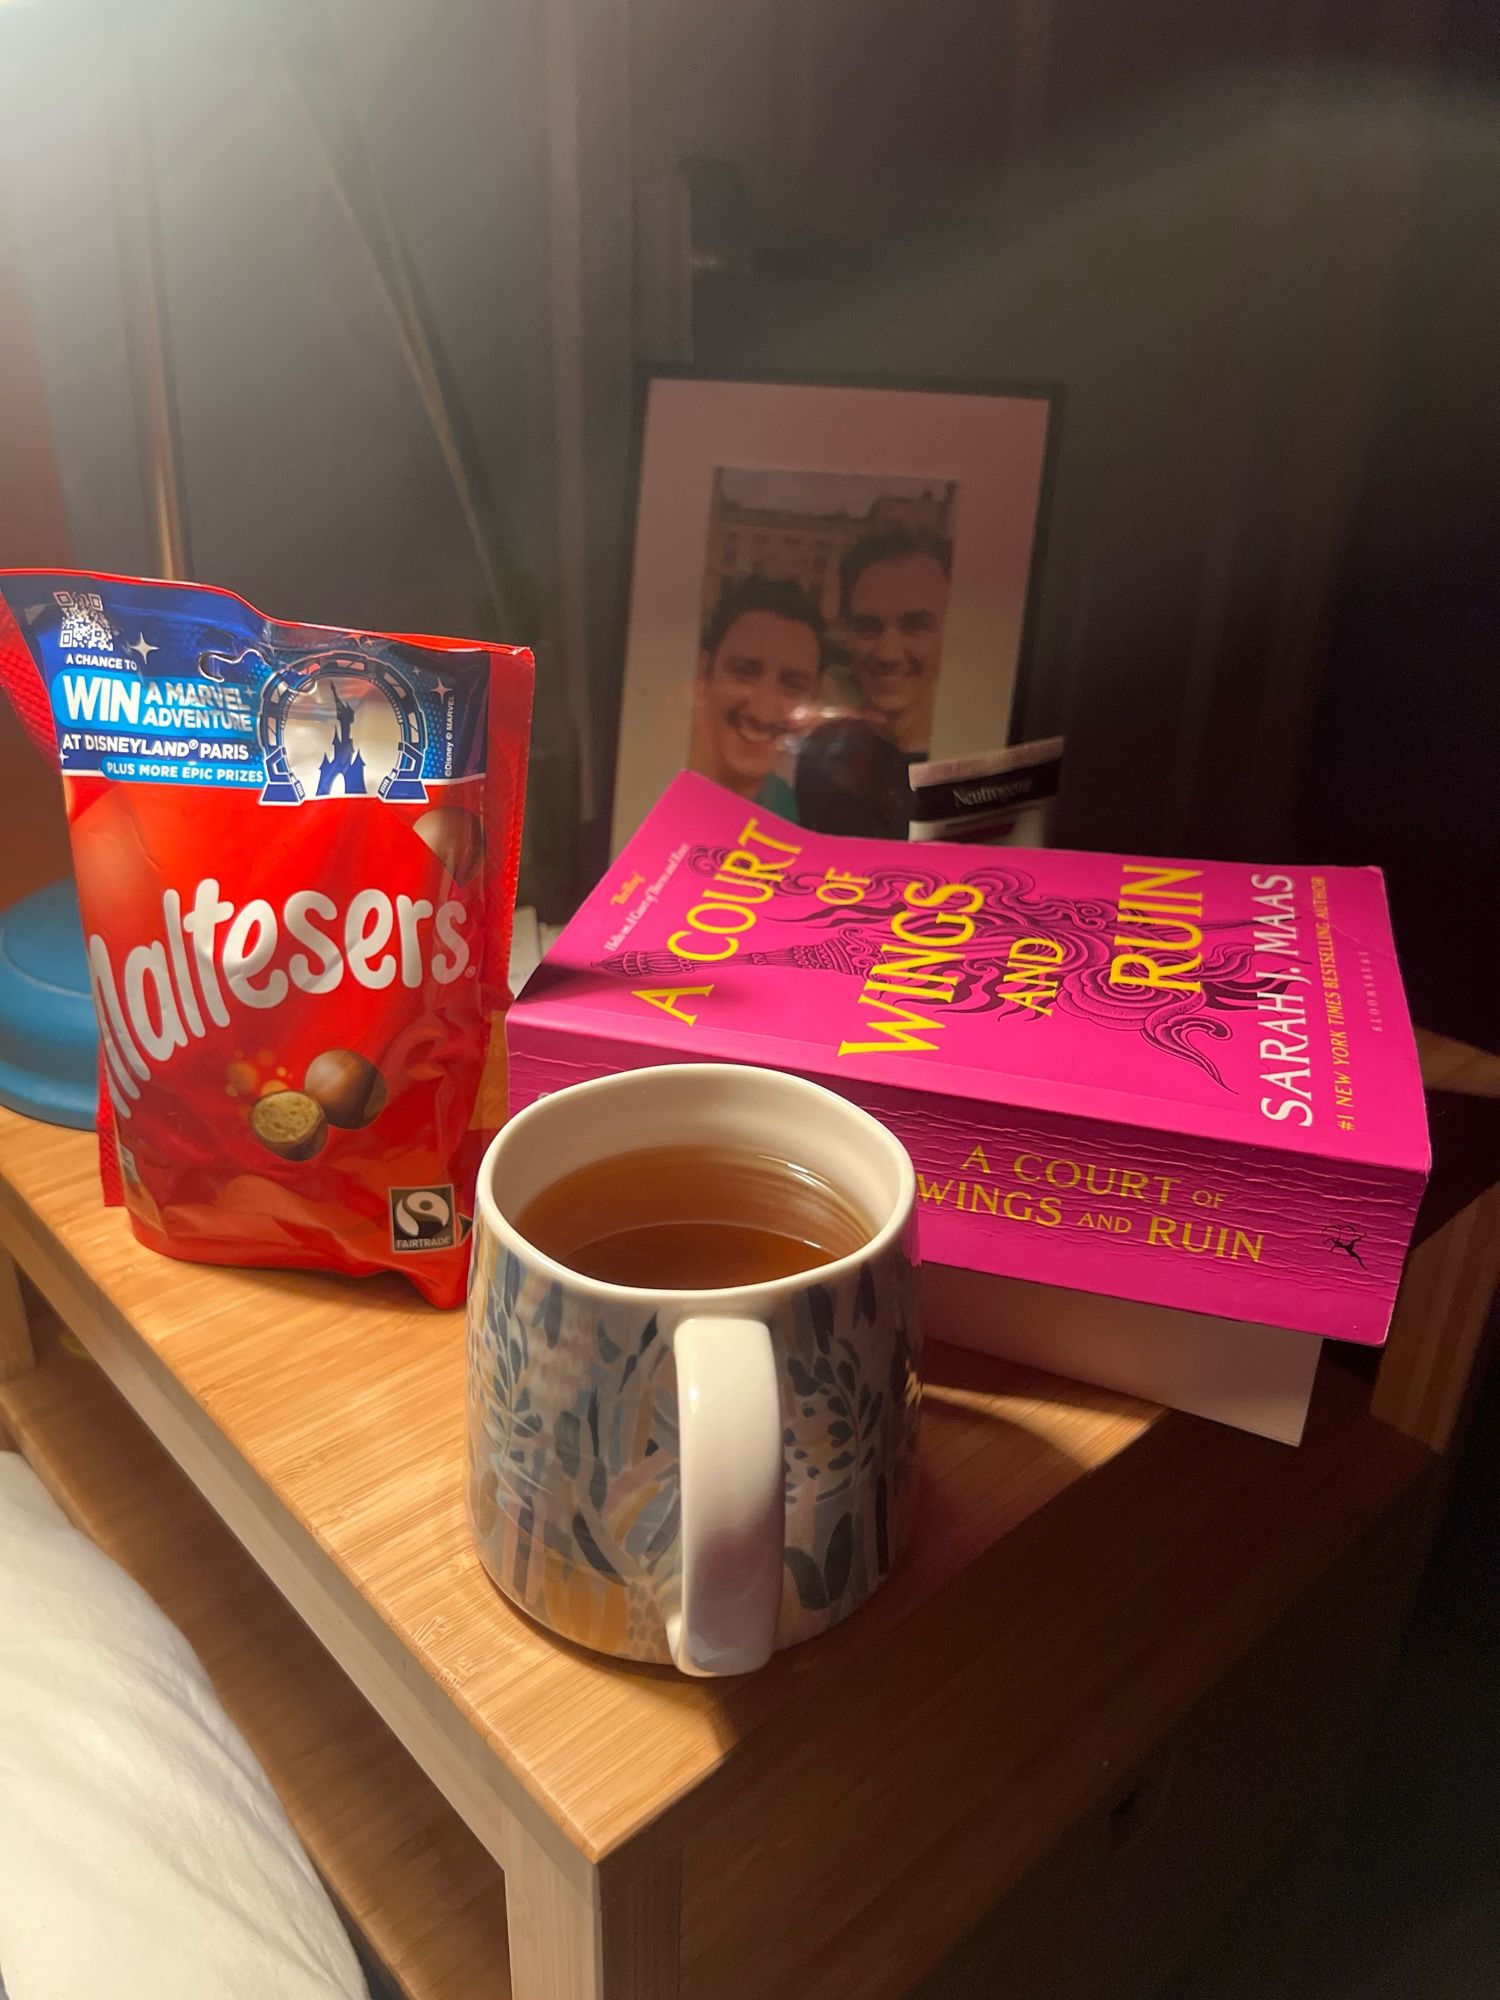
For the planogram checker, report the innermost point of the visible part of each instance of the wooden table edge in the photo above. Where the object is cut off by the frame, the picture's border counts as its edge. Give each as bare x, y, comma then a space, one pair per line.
486, 1794
470, 1763
424, 1893
581, 1923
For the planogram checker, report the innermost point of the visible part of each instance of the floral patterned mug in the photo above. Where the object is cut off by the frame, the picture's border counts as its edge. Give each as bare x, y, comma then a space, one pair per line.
693, 1477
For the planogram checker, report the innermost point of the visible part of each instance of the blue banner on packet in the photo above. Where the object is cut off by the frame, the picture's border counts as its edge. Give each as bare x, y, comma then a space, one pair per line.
145, 688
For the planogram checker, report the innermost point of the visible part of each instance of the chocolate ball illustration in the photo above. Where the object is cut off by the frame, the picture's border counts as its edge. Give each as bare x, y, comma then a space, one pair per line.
348, 1087
455, 837
290, 1124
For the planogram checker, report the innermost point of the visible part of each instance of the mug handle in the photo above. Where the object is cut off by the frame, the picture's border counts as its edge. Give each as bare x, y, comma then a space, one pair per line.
733, 1505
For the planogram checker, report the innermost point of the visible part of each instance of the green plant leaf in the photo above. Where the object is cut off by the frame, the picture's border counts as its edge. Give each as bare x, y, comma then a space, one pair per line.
802, 1380
838, 1558
568, 1437
665, 1532
593, 1554
820, 1308
864, 1295
525, 1522
548, 1314
807, 1580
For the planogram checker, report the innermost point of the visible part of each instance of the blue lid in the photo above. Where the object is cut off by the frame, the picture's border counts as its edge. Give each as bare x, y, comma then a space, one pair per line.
49, 1044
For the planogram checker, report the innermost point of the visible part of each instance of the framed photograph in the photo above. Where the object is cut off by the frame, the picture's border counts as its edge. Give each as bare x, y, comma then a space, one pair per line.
829, 585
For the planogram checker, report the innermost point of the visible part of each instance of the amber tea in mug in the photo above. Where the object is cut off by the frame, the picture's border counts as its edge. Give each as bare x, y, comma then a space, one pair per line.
692, 1218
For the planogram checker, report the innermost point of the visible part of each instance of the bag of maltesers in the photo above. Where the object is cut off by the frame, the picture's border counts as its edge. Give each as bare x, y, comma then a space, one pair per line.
296, 855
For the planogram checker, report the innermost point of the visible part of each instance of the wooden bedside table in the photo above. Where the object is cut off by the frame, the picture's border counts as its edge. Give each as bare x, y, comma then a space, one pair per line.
1109, 1614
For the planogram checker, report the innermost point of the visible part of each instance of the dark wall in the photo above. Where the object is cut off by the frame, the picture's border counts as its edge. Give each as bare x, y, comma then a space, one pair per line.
1405, 763
311, 478
272, 138
1193, 218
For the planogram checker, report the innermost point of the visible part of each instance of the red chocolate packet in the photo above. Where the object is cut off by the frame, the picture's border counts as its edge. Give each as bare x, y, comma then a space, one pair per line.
296, 854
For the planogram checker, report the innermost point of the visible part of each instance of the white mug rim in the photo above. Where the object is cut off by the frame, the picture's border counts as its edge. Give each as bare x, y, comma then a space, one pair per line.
884, 1238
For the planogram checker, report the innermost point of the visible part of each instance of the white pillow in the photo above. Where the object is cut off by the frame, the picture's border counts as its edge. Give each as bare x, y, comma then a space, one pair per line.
143, 1853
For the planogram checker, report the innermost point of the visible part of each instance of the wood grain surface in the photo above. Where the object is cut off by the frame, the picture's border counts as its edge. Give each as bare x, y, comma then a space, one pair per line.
416, 1881
1430, 1363
1086, 1573
15, 1334
869, 1834
1451, 1065
324, 1420
1429, 1367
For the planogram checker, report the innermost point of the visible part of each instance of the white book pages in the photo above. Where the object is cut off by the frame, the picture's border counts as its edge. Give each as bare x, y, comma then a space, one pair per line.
1257, 1378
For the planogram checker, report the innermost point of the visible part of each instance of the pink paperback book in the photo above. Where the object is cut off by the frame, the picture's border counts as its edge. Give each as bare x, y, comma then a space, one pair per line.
1188, 1083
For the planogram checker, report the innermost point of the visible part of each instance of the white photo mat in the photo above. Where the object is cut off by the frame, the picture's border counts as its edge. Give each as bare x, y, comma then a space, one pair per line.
993, 446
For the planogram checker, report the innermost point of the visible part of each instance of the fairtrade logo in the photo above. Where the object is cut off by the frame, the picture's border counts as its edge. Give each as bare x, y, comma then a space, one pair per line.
422, 1218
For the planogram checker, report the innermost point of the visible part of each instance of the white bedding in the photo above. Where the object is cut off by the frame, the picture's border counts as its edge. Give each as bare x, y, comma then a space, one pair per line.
143, 1854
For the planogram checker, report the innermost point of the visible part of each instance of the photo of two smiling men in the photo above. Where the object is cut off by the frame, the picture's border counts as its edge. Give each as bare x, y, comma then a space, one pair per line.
824, 601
